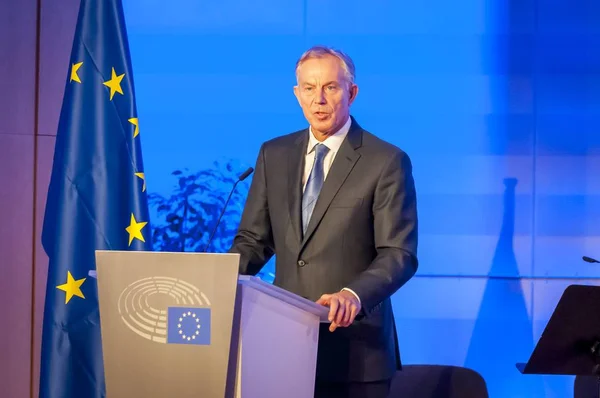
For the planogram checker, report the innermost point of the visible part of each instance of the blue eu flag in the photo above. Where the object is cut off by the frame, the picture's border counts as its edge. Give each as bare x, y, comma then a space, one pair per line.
188, 325
96, 199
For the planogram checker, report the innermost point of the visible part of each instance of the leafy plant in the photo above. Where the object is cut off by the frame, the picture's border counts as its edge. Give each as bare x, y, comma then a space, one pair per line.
184, 220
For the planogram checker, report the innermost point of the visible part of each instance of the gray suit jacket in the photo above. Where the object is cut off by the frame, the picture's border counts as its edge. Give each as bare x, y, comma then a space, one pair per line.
362, 235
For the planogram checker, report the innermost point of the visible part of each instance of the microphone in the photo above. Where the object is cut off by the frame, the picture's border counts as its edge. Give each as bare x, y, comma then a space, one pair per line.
241, 178
590, 260
245, 175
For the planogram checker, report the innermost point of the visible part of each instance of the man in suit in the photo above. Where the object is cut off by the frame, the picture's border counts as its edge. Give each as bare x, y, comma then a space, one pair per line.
337, 206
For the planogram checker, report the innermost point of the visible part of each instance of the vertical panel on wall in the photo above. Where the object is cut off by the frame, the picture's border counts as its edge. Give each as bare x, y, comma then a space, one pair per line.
16, 203
58, 19
17, 109
17, 69
45, 155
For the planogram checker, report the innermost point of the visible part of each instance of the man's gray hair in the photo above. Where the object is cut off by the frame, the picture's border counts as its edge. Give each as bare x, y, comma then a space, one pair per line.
321, 51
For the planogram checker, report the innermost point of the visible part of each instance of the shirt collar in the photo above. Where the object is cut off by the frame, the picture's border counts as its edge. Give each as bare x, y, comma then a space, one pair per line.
333, 142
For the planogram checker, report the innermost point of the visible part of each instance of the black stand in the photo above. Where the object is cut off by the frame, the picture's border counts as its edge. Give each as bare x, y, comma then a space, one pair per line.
570, 343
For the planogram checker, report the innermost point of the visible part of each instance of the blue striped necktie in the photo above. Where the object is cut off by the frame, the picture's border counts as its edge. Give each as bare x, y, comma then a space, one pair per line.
313, 185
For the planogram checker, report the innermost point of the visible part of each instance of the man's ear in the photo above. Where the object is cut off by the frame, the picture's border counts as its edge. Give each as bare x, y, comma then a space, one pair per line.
353, 93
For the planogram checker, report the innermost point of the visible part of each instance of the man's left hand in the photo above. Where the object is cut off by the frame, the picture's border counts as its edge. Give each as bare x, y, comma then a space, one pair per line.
343, 307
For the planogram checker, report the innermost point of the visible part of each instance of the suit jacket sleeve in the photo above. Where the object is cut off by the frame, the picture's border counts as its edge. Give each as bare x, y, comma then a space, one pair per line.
254, 239
395, 233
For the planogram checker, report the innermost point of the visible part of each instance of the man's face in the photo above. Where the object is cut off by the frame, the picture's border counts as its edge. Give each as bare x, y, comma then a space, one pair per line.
324, 94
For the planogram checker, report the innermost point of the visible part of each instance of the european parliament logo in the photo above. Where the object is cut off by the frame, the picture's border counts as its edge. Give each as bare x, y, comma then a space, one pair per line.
188, 325
166, 310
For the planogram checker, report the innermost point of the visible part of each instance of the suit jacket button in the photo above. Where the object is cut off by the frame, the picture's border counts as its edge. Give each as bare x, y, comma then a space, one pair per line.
301, 263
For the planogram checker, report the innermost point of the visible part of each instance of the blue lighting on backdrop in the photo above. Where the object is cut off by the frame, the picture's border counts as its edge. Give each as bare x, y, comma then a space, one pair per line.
496, 102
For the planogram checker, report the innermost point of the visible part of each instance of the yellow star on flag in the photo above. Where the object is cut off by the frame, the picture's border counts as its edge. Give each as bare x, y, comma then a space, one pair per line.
135, 229
143, 177
74, 75
134, 121
114, 83
72, 287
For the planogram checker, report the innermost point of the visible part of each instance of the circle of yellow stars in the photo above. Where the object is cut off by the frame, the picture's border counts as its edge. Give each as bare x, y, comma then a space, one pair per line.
72, 287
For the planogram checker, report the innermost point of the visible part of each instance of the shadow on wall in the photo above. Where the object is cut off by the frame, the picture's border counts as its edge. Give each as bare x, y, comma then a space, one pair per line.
503, 332
184, 219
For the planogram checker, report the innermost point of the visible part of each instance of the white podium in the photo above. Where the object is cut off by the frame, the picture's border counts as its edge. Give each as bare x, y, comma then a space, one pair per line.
187, 325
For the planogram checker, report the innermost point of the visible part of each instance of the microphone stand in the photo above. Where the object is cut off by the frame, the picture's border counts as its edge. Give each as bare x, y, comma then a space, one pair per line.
240, 179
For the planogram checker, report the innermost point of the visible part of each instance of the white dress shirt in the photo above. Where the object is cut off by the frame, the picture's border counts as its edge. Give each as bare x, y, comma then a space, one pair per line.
333, 142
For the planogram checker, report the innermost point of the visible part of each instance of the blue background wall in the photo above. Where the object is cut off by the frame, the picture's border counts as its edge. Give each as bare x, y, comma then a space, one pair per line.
496, 102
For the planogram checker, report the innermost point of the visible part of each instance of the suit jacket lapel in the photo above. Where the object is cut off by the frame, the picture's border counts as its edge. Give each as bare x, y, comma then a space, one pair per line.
295, 172
344, 161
